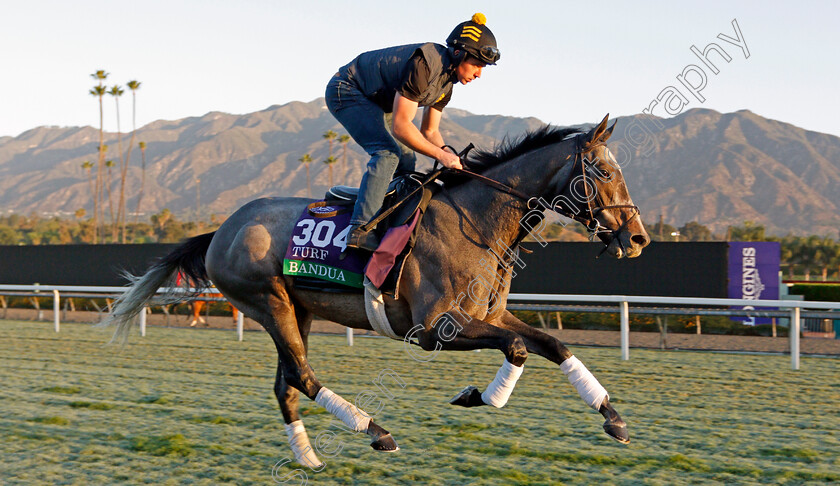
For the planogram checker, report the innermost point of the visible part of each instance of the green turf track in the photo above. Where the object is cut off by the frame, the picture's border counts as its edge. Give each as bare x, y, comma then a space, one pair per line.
185, 406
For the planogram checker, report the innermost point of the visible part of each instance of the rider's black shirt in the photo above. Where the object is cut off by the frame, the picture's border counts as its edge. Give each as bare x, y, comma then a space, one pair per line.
421, 72
416, 81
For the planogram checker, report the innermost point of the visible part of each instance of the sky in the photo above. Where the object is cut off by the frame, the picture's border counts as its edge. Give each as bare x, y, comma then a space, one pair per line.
562, 62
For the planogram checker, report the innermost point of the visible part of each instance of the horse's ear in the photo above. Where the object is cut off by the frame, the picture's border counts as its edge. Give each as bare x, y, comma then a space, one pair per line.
608, 132
596, 132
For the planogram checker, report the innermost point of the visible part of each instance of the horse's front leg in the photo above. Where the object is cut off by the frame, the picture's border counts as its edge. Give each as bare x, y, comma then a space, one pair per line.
587, 386
450, 332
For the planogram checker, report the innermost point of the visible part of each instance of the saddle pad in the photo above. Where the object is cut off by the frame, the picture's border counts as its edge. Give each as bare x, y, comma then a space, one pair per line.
318, 239
385, 257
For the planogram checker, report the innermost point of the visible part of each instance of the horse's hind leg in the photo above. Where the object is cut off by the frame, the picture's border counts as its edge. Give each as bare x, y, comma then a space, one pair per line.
288, 398
592, 392
294, 370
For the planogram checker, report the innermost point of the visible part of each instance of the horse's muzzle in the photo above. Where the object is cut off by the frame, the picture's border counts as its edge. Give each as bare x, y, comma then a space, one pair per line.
625, 244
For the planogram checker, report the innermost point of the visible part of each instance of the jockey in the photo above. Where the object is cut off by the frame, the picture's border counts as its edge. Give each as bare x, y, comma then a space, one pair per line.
376, 96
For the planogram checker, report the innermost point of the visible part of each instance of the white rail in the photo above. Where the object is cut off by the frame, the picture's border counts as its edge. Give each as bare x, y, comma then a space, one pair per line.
57, 289
794, 306
624, 300
643, 299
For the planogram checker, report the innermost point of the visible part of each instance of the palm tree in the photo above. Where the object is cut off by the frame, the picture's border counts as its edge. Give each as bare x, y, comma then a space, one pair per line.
198, 200
306, 160
142, 146
86, 165
116, 91
330, 136
100, 188
161, 219
344, 139
99, 91
133, 85
109, 164
330, 161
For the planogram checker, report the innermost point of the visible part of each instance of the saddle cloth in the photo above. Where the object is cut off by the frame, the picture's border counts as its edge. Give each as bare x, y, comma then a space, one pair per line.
318, 239
320, 268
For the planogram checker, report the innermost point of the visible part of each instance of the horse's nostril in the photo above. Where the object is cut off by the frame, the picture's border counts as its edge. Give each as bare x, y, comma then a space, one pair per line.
640, 240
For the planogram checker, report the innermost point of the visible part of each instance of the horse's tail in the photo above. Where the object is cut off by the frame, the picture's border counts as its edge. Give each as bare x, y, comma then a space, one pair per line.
188, 259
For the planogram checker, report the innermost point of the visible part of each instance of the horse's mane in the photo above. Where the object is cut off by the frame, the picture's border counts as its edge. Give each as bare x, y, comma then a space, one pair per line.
510, 148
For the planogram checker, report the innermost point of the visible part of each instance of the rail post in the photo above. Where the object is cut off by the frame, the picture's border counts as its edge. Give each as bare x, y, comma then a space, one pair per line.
240, 325
349, 336
625, 331
143, 322
794, 338
56, 311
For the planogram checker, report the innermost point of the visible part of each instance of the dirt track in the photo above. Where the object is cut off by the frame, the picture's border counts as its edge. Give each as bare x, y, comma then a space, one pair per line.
567, 336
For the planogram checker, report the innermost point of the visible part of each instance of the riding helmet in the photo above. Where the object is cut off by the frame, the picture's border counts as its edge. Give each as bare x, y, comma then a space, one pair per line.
475, 38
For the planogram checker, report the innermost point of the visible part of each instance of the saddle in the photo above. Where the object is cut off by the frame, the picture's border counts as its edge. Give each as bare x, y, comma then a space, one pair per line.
400, 188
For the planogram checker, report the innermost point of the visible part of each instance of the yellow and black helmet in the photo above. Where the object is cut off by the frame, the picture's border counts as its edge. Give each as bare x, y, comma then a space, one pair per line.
475, 38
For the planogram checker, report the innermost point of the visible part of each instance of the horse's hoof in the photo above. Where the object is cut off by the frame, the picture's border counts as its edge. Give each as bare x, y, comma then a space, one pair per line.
385, 443
468, 397
618, 431
614, 426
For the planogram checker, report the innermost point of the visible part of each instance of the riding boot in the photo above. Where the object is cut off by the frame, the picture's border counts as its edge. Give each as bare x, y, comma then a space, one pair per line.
360, 239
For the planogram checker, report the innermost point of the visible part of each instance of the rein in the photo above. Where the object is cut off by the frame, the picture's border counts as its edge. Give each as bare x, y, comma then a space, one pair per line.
489, 182
492, 183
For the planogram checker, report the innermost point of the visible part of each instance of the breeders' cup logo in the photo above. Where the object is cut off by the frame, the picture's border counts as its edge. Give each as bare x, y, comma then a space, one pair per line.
751, 286
323, 209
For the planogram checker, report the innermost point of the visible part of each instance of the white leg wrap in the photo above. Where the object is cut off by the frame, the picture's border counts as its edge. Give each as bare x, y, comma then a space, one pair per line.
300, 445
587, 386
343, 410
498, 392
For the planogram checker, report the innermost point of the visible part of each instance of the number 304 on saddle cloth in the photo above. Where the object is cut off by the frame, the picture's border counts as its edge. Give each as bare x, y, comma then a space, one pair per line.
319, 238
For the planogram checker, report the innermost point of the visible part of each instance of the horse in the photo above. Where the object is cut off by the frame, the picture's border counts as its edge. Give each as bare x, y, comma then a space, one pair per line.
471, 230
200, 301
199, 304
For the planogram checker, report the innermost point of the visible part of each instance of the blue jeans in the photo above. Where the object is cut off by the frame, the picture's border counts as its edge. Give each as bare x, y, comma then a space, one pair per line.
370, 127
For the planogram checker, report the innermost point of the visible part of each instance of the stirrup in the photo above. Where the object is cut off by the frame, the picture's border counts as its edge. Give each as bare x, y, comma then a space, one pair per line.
362, 240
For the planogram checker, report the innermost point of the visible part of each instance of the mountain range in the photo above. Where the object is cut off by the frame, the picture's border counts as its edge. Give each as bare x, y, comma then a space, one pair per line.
718, 169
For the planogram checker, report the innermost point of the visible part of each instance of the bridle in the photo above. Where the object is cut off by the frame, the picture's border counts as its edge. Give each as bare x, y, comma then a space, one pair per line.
594, 227
589, 219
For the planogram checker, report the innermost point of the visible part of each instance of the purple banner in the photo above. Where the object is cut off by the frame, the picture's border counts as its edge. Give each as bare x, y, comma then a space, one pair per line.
753, 275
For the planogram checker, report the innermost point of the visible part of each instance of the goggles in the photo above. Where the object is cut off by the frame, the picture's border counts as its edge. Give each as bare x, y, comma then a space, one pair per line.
490, 54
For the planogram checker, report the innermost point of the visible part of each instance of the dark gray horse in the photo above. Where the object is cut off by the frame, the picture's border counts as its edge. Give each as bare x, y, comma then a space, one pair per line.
454, 286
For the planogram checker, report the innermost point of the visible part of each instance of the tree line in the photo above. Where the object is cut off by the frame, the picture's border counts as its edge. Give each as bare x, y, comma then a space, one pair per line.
811, 257
162, 227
